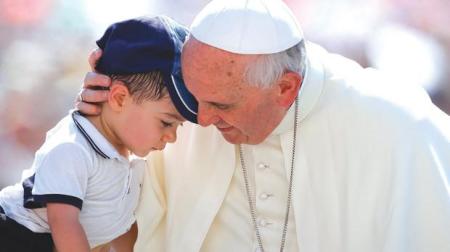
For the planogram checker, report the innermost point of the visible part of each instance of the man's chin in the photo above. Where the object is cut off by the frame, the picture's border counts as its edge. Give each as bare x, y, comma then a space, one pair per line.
234, 138
239, 138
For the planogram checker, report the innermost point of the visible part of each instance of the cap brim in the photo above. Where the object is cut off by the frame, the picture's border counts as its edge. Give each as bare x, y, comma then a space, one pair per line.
184, 101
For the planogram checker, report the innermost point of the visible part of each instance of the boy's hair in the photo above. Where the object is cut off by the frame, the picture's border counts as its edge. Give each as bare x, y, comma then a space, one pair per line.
143, 86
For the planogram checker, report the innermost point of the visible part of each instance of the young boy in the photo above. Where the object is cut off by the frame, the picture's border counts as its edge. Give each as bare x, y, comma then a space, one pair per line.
84, 184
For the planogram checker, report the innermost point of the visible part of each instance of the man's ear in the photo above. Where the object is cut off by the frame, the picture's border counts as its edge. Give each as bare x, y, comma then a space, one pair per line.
287, 88
118, 96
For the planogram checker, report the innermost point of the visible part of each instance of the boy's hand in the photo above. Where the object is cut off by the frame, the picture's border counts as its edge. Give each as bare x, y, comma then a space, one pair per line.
125, 242
94, 89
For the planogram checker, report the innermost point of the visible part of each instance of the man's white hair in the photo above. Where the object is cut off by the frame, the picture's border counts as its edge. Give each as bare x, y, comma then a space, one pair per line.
268, 68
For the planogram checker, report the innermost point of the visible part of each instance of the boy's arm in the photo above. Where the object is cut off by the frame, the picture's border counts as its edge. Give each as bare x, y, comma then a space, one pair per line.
125, 242
67, 232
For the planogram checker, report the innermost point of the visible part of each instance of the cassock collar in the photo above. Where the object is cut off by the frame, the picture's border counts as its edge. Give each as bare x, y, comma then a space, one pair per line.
287, 123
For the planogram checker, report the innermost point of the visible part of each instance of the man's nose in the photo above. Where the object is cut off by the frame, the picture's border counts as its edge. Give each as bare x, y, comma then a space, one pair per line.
206, 115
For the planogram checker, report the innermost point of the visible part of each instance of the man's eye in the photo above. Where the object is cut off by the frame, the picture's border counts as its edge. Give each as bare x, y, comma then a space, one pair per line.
221, 106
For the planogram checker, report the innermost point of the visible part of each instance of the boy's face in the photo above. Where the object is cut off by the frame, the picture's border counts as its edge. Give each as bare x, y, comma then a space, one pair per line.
147, 126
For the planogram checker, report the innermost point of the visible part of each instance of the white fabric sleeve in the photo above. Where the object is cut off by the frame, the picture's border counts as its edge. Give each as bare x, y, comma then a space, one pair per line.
152, 206
62, 175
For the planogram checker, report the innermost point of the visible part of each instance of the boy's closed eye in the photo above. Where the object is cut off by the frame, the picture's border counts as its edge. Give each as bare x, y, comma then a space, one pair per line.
172, 120
166, 124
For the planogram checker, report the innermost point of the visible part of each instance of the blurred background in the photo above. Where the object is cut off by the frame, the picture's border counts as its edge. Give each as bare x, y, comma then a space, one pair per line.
44, 45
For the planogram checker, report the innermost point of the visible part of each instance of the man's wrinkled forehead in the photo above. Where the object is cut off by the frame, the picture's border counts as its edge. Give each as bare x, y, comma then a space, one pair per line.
202, 59
212, 74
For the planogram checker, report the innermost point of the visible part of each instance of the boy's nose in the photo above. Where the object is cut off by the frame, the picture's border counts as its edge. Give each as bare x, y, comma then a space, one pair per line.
170, 137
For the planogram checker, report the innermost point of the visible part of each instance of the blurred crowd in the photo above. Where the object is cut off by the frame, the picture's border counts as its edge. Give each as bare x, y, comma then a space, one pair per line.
44, 46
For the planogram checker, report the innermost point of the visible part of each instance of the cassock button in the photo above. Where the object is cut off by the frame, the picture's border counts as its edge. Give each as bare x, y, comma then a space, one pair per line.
264, 196
263, 223
263, 166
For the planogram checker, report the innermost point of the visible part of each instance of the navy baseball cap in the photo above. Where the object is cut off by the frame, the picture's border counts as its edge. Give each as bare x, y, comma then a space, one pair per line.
148, 44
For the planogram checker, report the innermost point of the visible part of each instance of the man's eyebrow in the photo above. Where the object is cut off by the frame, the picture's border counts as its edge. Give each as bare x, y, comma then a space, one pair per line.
179, 118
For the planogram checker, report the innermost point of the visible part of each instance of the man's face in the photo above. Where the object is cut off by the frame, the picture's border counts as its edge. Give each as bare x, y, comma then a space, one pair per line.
243, 113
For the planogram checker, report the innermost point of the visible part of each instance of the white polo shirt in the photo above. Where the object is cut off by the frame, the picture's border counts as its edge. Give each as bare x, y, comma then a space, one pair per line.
77, 165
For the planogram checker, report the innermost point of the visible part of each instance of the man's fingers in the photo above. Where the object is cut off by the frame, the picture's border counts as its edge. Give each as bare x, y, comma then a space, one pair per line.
93, 58
94, 91
89, 101
93, 79
93, 96
88, 109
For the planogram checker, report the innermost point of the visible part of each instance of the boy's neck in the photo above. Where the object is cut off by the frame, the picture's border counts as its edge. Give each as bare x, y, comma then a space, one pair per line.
100, 122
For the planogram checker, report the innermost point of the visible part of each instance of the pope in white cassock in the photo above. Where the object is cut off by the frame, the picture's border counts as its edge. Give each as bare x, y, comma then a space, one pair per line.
305, 150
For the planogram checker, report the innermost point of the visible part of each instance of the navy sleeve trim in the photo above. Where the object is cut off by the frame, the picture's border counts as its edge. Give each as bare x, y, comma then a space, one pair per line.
59, 198
28, 197
31, 201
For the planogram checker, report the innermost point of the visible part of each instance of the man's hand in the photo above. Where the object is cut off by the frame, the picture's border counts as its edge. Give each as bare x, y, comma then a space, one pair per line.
94, 89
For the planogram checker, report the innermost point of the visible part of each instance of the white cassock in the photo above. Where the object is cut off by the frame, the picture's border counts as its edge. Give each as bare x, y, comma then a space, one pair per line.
372, 171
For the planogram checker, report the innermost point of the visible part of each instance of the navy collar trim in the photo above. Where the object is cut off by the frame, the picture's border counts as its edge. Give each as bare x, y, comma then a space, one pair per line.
88, 138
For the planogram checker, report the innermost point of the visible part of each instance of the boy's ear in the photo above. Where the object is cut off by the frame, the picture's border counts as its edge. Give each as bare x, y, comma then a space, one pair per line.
118, 96
287, 88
